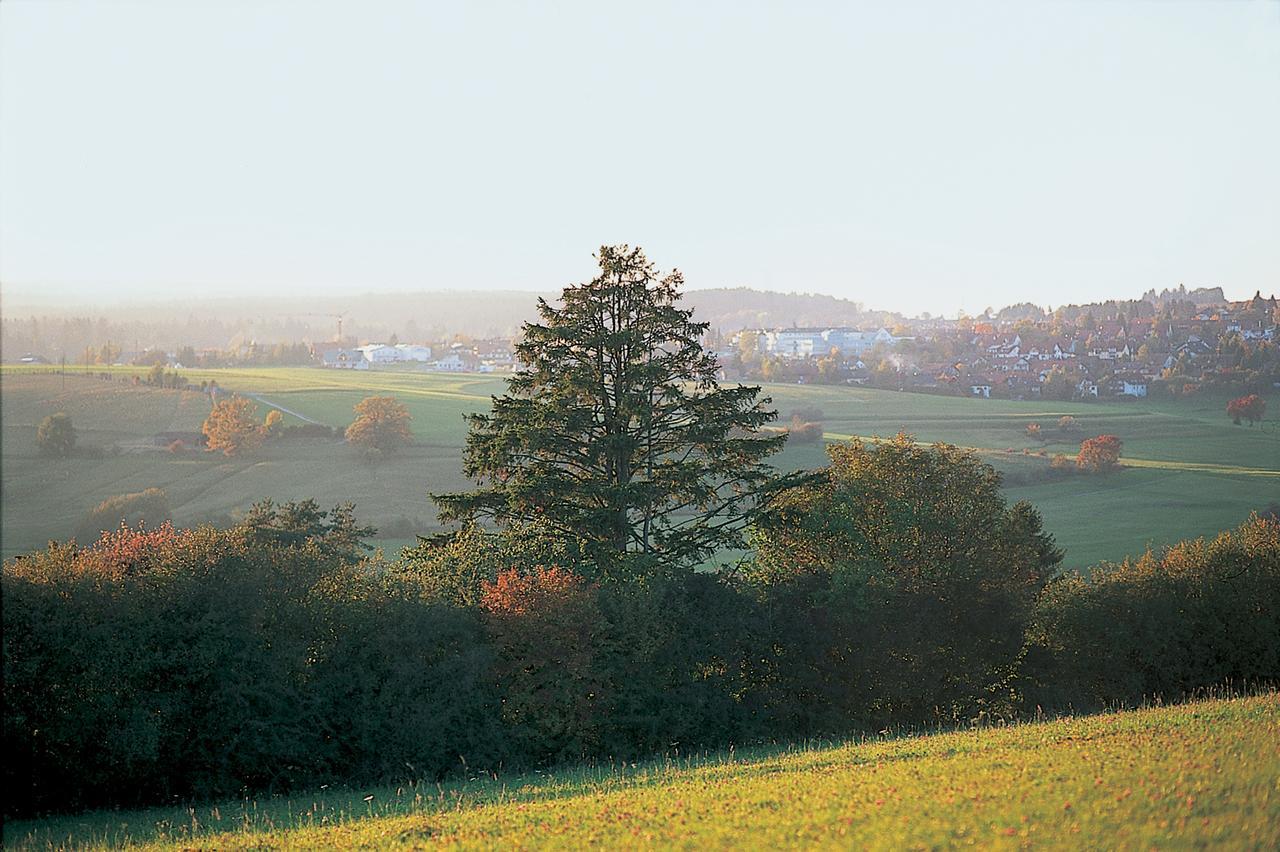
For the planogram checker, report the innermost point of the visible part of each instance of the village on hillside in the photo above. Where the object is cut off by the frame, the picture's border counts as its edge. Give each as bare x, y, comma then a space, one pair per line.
1125, 350
1175, 343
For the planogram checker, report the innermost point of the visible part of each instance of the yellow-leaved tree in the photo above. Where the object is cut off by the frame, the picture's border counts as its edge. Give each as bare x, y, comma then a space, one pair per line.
381, 424
232, 426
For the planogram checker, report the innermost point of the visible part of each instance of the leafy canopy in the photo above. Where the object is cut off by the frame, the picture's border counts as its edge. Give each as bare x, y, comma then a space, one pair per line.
617, 432
382, 424
232, 427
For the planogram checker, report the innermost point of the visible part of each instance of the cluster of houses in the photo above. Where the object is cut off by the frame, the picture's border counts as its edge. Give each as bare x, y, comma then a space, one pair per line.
1026, 359
488, 356
1011, 368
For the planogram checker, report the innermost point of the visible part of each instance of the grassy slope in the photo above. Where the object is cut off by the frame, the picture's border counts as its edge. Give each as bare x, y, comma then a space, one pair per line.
1191, 775
1196, 473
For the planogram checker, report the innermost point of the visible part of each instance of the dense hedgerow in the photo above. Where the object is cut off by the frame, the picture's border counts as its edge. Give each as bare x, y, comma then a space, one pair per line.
1199, 614
275, 654
203, 663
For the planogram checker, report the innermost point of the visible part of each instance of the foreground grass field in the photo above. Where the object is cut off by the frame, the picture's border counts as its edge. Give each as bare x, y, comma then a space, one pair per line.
1193, 775
1190, 471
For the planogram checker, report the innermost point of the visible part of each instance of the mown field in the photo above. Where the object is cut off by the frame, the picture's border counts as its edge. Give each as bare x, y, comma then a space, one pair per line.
1190, 471
1189, 776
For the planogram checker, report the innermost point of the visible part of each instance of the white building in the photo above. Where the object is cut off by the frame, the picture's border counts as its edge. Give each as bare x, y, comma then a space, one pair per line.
806, 342
413, 352
380, 353
451, 363
344, 359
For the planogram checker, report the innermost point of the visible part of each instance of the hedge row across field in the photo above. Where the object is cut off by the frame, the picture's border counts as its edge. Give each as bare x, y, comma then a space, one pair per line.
167, 664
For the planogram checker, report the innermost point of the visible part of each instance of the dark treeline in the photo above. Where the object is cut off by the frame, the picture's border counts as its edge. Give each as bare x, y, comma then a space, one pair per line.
271, 656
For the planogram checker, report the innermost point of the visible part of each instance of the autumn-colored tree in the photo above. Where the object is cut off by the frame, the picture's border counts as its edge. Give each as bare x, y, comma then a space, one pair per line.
1252, 408
127, 550
1100, 454
1066, 423
382, 424
545, 626
56, 436
1033, 432
272, 425
232, 426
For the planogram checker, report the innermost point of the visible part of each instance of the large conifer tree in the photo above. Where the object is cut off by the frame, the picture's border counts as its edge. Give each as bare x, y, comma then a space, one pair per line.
615, 430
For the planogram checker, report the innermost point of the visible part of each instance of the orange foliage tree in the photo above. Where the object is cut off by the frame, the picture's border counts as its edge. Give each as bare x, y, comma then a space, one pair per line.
545, 625
118, 553
382, 423
1252, 408
1100, 454
232, 427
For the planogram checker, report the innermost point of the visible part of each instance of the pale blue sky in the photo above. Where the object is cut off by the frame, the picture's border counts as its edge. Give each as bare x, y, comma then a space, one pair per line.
913, 156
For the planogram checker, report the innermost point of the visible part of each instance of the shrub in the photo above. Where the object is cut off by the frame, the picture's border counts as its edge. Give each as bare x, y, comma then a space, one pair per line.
545, 625
1100, 454
1197, 615
149, 507
161, 664
1252, 408
802, 432
55, 436
916, 575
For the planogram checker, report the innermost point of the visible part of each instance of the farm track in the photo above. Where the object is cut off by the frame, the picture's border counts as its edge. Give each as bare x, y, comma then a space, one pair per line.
304, 418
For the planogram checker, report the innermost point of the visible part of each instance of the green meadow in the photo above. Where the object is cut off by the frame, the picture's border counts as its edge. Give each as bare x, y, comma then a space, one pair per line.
1189, 471
1188, 776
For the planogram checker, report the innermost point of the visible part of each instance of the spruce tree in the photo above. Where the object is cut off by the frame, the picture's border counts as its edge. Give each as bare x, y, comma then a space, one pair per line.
615, 430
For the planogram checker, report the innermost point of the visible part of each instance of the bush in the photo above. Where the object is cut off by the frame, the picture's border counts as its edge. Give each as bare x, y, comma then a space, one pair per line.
55, 436
909, 580
141, 508
1200, 614
1100, 454
167, 664
802, 432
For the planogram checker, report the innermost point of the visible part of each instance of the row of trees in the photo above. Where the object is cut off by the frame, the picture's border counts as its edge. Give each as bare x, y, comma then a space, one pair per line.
232, 428
895, 588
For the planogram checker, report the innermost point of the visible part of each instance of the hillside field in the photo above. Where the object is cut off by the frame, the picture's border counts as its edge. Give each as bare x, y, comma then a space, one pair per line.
1189, 471
1194, 775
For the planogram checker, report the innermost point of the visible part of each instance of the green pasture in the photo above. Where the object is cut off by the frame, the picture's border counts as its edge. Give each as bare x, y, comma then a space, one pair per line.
1190, 776
1190, 471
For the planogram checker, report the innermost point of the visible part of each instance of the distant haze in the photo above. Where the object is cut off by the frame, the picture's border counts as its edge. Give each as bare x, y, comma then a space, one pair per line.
909, 157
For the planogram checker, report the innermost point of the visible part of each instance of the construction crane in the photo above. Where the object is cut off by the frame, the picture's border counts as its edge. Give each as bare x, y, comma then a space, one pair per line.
338, 317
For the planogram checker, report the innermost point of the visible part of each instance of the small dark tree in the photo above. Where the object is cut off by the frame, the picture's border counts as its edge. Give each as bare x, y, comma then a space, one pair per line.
56, 436
617, 432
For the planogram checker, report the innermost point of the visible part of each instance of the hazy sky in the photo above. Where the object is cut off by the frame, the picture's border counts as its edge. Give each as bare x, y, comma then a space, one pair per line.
912, 156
